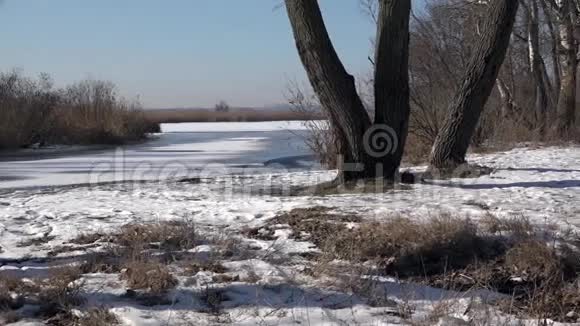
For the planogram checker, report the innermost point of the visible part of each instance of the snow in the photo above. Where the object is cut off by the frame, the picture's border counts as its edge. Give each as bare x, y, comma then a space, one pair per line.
542, 184
233, 127
181, 150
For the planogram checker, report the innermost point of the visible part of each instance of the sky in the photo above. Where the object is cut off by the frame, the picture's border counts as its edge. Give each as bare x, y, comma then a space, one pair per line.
174, 53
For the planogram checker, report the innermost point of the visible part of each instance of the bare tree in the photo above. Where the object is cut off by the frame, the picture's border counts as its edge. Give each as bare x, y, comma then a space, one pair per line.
566, 13
358, 138
541, 81
452, 142
222, 106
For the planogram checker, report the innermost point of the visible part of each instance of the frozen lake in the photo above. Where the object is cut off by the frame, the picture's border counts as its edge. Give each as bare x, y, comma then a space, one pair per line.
181, 150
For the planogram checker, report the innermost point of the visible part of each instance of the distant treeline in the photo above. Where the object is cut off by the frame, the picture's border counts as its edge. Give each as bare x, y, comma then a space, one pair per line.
207, 115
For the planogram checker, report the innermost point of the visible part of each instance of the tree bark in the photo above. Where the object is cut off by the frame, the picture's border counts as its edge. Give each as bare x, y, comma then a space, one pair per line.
507, 101
537, 66
554, 50
567, 49
336, 89
334, 86
391, 78
451, 144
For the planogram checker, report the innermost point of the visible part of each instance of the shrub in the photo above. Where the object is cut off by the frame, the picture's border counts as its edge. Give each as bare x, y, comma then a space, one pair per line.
32, 112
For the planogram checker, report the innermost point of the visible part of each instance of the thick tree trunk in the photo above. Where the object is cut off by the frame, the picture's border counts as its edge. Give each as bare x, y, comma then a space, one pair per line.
391, 79
566, 109
451, 144
368, 150
334, 86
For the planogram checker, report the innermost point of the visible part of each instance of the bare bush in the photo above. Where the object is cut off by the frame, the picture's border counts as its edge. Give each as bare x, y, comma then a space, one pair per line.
26, 109
33, 113
96, 114
321, 139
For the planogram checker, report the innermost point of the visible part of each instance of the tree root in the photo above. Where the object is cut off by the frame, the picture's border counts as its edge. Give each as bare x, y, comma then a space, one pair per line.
463, 171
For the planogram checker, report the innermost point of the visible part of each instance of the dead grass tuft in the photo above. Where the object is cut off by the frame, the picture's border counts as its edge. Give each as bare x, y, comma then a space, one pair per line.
518, 227
315, 224
55, 296
108, 262
10, 293
170, 235
97, 317
151, 277
60, 292
533, 260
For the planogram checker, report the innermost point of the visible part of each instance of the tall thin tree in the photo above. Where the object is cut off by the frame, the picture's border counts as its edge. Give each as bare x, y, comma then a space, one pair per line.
566, 12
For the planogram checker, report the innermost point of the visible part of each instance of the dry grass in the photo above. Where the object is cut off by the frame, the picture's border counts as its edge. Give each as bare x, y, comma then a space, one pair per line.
108, 262
10, 289
169, 235
145, 257
97, 317
149, 276
60, 292
133, 239
32, 112
55, 295
537, 266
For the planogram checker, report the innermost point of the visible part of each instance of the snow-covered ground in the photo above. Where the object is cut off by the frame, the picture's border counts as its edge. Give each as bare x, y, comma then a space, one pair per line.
542, 184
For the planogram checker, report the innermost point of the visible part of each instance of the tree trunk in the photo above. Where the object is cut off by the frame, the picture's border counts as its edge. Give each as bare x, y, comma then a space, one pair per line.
549, 18
567, 50
368, 151
507, 101
335, 88
537, 66
391, 79
451, 144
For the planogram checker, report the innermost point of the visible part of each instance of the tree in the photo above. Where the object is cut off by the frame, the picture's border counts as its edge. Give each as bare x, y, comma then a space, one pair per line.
372, 149
222, 106
453, 140
537, 66
566, 13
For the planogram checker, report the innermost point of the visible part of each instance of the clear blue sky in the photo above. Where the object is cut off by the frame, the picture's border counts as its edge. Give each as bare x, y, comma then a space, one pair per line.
173, 53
